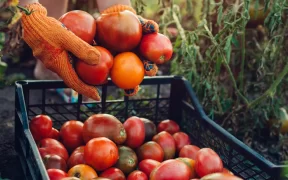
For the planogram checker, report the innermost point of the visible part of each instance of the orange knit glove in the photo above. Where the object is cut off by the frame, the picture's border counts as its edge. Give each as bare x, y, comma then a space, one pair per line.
51, 41
148, 26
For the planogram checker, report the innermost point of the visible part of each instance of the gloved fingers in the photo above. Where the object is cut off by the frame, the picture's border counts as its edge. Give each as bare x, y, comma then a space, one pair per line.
148, 26
81, 49
63, 67
150, 68
118, 8
131, 92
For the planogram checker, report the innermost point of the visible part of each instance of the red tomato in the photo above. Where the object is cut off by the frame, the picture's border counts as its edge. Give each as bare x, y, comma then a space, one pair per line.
156, 48
189, 151
83, 172
113, 174
150, 150
81, 23
171, 169
207, 162
137, 175
148, 165
227, 171
56, 174
169, 126
150, 129
101, 153
181, 139
135, 130
167, 142
52, 146
40, 127
54, 134
118, 28
71, 134
54, 162
220, 176
77, 157
96, 74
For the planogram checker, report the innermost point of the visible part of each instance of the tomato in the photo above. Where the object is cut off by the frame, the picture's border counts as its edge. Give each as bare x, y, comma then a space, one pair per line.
156, 47
127, 71
167, 142
171, 169
54, 134
113, 174
150, 150
148, 165
220, 176
135, 130
70, 178
227, 171
56, 174
189, 151
127, 161
150, 129
191, 164
101, 178
77, 157
54, 162
95, 74
207, 162
101, 153
137, 175
181, 139
169, 126
52, 146
81, 23
40, 127
83, 172
71, 134
94, 127
119, 31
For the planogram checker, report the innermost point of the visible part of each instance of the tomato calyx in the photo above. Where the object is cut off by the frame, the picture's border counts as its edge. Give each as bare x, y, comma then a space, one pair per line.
77, 174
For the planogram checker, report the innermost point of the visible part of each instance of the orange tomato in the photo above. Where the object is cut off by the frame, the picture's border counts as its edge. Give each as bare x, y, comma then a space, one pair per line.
127, 71
83, 172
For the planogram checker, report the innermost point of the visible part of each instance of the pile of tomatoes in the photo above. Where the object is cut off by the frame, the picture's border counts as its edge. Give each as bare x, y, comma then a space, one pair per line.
102, 147
122, 44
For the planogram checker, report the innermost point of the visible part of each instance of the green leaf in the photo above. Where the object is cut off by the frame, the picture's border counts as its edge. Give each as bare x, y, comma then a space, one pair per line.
235, 40
218, 65
227, 48
220, 13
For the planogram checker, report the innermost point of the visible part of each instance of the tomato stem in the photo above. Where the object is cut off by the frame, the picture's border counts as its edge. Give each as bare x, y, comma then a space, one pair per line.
26, 11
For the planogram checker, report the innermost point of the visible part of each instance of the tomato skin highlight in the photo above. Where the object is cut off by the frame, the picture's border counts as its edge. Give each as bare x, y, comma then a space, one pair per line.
81, 23
156, 48
119, 31
95, 74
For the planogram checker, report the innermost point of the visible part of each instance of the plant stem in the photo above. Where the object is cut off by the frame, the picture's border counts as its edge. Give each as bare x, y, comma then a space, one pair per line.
179, 27
27, 12
271, 89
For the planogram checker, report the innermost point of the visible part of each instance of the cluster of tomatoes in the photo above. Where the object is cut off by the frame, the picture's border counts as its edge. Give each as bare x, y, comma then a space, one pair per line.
122, 44
105, 148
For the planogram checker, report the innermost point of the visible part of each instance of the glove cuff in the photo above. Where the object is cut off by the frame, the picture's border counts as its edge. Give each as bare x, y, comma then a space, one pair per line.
118, 8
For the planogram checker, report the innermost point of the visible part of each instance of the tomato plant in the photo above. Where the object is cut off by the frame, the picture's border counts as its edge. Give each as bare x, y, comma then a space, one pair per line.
54, 162
81, 23
181, 139
113, 173
77, 157
114, 129
95, 74
156, 48
207, 162
189, 151
135, 130
71, 134
150, 150
101, 153
83, 172
127, 71
40, 127
171, 169
119, 31
56, 174
137, 175
168, 125
52, 146
167, 142
148, 165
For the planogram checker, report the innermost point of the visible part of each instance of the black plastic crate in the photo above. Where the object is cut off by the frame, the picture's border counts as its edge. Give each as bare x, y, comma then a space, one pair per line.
180, 104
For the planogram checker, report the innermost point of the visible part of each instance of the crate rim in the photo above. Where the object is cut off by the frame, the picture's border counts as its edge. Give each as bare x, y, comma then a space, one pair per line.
165, 80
